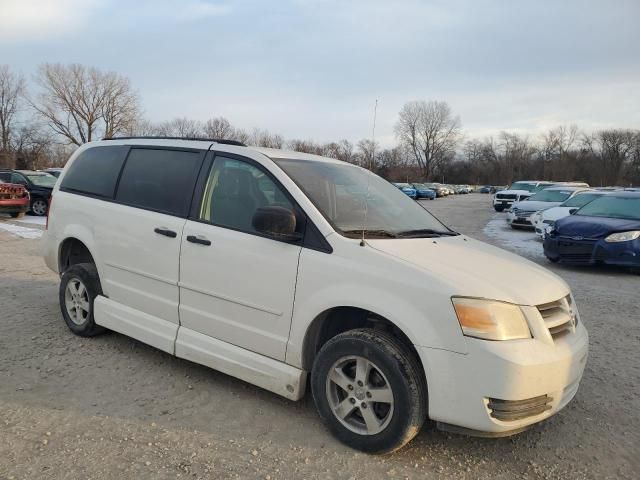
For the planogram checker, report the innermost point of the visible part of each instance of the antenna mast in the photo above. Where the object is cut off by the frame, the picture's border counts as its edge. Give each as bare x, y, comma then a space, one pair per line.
373, 137
371, 162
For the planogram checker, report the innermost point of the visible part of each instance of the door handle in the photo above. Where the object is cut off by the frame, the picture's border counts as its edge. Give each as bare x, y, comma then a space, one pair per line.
165, 231
199, 239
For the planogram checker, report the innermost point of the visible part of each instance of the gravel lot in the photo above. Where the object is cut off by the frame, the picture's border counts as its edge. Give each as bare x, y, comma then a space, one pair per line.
111, 407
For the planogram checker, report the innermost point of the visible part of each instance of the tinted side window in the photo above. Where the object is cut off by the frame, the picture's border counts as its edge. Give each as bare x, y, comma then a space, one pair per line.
5, 177
160, 180
95, 171
234, 191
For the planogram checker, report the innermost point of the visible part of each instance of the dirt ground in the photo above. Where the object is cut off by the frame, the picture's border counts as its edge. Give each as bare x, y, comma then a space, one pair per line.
111, 407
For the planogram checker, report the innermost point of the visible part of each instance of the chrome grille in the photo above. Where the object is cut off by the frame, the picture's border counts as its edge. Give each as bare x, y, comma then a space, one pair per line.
511, 410
505, 196
523, 213
558, 316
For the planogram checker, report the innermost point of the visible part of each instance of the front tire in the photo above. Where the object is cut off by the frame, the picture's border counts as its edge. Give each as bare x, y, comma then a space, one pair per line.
369, 390
79, 287
498, 208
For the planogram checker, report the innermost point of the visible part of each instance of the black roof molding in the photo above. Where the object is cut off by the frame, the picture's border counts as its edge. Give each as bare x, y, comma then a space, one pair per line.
161, 137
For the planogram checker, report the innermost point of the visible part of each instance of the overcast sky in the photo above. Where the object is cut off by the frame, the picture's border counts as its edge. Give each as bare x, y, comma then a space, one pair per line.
313, 68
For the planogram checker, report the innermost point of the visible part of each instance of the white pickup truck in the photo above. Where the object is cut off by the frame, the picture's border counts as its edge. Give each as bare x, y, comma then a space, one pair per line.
517, 192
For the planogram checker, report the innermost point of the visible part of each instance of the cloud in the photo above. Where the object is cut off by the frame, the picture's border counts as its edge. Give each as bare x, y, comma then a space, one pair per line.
36, 20
32, 20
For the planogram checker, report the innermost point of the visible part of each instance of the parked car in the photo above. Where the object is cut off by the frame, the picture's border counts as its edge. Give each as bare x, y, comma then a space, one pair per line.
517, 192
422, 191
407, 189
606, 230
519, 215
485, 189
544, 220
441, 190
54, 171
14, 199
281, 267
38, 184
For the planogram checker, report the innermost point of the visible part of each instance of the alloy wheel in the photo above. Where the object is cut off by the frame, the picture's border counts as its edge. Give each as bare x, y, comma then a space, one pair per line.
360, 395
77, 301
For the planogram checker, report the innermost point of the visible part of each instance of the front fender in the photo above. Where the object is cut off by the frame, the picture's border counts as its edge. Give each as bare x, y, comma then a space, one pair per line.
419, 306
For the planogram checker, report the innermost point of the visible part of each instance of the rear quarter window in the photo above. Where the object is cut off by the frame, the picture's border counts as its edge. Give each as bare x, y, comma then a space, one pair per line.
95, 171
159, 179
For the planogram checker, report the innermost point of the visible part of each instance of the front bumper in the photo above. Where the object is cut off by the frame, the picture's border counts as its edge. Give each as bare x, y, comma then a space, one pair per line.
523, 221
463, 387
504, 203
590, 251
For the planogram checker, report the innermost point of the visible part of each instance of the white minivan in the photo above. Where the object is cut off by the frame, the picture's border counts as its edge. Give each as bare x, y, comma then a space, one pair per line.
280, 268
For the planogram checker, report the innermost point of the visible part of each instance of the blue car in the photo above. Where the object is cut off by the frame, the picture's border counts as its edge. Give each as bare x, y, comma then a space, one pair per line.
422, 191
407, 190
607, 231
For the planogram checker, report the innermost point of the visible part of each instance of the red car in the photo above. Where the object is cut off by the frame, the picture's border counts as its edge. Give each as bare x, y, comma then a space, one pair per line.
14, 199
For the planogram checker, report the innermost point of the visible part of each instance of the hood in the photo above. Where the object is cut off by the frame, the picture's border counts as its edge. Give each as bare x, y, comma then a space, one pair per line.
533, 206
555, 213
476, 269
516, 192
593, 227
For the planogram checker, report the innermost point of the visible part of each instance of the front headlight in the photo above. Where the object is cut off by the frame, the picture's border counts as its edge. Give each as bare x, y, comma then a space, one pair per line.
490, 319
623, 236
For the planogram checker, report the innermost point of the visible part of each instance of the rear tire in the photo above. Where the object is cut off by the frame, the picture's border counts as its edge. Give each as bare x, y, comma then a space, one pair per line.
79, 287
39, 207
345, 395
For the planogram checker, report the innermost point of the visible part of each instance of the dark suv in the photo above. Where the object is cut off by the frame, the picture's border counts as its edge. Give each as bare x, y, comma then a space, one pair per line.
38, 184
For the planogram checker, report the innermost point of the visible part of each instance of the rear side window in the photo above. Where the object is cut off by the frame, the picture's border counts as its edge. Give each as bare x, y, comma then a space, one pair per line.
95, 171
159, 180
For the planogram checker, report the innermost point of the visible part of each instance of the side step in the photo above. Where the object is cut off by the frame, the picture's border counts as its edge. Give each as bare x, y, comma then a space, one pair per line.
265, 372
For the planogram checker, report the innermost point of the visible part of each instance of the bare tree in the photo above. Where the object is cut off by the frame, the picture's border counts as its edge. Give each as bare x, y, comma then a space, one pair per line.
181, 127
81, 102
430, 131
262, 138
120, 107
31, 146
12, 87
367, 149
218, 127
612, 149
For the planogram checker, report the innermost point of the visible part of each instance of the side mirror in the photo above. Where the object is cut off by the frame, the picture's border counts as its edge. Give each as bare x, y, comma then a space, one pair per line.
276, 222
573, 211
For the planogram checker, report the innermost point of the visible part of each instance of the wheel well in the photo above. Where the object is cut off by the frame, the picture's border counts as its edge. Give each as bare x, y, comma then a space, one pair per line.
337, 320
72, 252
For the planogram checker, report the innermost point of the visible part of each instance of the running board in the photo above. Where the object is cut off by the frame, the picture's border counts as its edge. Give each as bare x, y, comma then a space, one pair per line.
133, 323
265, 372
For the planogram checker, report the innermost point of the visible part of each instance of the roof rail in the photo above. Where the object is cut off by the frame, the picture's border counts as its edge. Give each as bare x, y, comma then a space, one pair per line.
162, 137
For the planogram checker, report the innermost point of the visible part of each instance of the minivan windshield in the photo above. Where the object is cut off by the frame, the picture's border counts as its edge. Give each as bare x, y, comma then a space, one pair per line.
550, 196
343, 193
613, 206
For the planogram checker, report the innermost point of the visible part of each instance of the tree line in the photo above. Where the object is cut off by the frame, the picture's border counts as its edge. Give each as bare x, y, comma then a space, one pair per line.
74, 104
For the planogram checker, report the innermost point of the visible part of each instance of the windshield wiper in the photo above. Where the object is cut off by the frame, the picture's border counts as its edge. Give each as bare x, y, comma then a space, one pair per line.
426, 233
372, 233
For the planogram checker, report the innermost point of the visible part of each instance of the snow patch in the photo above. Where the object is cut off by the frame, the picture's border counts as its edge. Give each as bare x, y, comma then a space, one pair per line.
33, 220
522, 242
23, 232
